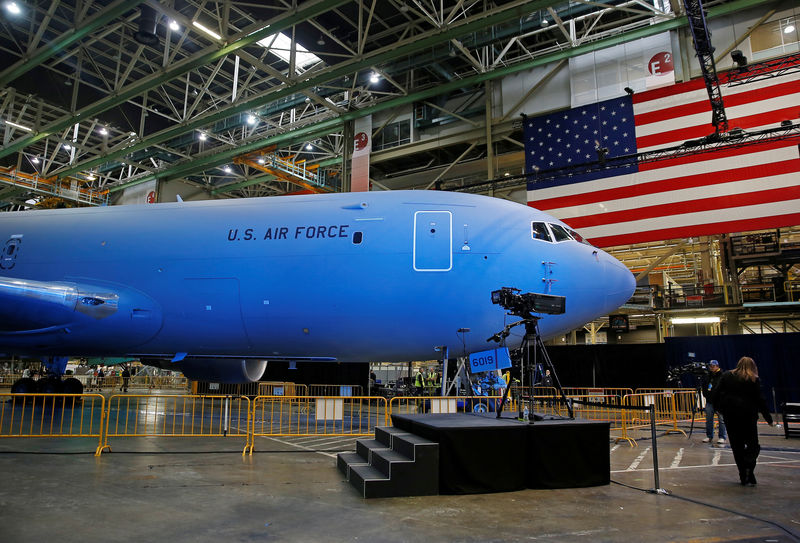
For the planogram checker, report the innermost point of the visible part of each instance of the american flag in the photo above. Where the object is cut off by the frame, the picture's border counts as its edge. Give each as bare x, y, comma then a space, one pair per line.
726, 190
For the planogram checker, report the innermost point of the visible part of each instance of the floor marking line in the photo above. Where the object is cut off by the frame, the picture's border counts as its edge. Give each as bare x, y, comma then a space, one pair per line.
635, 463
678, 457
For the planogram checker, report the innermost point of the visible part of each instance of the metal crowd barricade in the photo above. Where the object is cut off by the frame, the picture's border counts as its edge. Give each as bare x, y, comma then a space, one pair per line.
597, 391
140, 415
52, 415
688, 401
605, 408
400, 405
276, 416
280, 388
665, 413
335, 390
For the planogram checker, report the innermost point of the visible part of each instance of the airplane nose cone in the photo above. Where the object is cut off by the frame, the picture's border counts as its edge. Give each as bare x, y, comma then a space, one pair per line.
619, 282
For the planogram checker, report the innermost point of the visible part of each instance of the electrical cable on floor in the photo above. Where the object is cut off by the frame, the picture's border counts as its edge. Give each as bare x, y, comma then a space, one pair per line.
791, 534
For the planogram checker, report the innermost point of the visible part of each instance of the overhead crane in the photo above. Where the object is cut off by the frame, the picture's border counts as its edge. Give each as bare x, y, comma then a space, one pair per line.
287, 168
65, 188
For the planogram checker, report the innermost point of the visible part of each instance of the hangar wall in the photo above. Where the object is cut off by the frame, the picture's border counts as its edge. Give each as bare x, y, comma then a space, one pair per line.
646, 365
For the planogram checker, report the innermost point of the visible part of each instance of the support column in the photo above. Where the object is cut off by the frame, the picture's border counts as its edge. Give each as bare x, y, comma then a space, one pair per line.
347, 153
489, 147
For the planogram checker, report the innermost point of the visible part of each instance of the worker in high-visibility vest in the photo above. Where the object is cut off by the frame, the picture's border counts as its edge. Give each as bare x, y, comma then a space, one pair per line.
419, 382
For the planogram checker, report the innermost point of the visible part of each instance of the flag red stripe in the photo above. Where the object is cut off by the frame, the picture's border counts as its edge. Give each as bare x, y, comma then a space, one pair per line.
748, 121
671, 90
719, 153
743, 225
702, 106
688, 206
676, 183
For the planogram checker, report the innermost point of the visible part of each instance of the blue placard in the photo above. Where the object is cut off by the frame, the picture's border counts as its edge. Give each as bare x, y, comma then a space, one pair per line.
494, 359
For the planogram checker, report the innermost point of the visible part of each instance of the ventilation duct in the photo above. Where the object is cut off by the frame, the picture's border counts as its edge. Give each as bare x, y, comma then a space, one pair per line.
148, 22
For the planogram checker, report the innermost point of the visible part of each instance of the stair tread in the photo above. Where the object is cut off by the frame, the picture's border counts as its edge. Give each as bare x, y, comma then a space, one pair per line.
416, 440
352, 458
368, 473
393, 456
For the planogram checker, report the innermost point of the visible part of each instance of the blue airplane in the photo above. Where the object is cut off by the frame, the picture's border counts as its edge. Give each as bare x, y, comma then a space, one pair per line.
218, 288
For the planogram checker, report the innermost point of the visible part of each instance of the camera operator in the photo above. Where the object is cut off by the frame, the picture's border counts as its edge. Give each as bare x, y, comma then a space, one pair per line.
709, 392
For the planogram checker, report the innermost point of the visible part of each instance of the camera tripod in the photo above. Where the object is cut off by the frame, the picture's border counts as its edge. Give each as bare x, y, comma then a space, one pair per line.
528, 360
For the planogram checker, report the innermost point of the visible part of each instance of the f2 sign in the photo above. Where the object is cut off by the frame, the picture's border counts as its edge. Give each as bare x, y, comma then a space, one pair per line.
495, 359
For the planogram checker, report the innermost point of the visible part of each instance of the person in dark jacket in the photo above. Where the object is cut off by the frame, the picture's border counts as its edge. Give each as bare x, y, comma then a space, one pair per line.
712, 380
738, 397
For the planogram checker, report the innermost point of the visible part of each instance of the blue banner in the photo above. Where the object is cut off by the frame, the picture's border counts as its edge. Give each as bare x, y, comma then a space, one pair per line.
494, 359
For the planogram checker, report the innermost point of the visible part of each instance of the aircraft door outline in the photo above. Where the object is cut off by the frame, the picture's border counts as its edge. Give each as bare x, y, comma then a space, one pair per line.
8, 258
433, 241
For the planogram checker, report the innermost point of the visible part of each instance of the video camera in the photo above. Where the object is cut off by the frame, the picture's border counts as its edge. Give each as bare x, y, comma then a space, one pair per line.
522, 305
698, 369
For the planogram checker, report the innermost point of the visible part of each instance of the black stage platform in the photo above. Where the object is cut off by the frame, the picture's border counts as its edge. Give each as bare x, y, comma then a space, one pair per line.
480, 453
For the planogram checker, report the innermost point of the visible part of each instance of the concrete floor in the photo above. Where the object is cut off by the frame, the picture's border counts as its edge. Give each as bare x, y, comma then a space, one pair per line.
196, 489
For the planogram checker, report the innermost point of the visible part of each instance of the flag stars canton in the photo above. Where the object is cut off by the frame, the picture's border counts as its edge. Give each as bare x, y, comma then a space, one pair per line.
570, 138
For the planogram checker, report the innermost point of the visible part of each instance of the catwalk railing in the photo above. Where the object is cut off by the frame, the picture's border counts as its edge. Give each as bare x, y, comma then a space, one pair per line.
123, 416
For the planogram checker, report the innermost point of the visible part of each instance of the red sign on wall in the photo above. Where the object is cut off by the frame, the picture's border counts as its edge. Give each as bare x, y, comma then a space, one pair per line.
661, 64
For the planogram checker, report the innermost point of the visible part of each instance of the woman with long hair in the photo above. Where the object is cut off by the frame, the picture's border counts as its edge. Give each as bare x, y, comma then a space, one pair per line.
738, 397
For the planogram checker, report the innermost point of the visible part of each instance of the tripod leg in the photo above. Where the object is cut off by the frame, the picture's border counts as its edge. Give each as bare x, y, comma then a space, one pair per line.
549, 364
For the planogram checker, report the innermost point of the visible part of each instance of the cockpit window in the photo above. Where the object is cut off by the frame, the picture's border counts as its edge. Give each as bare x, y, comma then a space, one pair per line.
577, 237
539, 231
560, 232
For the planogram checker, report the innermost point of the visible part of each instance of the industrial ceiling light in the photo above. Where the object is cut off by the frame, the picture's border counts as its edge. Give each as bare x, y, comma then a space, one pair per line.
90, 177
227, 169
261, 160
374, 78
35, 160
104, 130
67, 147
321, 40
13, 8
789, 29
694, 320
202, 136
251, 119
173, 25
206, 30
309, 147
20, 126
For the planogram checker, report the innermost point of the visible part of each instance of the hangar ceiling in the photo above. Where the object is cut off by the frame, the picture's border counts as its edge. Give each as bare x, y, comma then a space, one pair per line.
108, 94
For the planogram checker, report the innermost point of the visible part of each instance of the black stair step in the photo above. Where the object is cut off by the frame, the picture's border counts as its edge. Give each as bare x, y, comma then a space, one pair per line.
388, 461
346, 459
369, 482
412, 446
364, 446
384, 434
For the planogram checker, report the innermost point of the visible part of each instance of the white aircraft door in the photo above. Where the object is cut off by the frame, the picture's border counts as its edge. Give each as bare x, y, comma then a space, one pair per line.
433, 241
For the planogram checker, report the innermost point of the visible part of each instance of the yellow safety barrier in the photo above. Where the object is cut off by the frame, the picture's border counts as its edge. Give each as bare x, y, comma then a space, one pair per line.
276, 416
133, 415
596, 391
665, 404
268, 388
592, 407
403, 405
335, 390
52, 415
687, 401
147, 382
